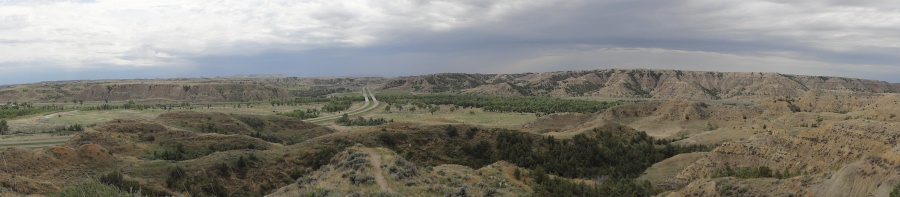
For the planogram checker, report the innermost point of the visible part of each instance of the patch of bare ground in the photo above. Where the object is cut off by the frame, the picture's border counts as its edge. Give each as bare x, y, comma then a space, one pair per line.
662, 172
559, 122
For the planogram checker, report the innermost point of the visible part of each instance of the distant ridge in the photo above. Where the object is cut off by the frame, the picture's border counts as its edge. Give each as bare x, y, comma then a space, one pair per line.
609, 83
637, 83
175, 89
256, 76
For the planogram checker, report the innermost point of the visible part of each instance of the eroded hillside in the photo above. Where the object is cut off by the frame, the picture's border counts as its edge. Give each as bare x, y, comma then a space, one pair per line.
617, 83
197, 89
820, 143
215, 154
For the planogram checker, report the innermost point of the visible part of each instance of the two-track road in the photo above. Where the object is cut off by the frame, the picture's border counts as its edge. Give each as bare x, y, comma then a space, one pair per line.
370, 104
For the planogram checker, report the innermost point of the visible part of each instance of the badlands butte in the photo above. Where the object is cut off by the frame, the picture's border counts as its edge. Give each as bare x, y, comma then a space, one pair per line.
569, 133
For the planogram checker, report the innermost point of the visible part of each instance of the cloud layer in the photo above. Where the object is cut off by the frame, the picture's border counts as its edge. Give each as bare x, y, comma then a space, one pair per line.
40, 39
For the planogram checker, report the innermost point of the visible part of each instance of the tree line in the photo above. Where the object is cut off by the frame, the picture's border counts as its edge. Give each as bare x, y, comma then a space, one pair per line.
345, 120
527, 104
306, 100
613, 155
318, 92
302, 114
10, 111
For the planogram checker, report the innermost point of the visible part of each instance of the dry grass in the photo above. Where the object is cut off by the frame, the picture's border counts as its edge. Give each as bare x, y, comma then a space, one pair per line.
460, 116
48, 122
718, 136
670, 167
426, 181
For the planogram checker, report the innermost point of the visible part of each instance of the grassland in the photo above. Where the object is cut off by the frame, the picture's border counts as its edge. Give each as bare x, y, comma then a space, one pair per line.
32, 140
445, 115
40, 130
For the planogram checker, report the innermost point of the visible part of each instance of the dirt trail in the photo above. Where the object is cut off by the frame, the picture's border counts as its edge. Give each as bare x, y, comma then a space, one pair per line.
53, 115
379, 177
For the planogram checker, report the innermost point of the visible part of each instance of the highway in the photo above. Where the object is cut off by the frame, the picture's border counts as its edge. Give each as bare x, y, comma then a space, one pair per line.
370, 104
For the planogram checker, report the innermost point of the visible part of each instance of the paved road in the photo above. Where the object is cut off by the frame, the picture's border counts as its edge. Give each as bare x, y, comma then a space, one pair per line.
370, 104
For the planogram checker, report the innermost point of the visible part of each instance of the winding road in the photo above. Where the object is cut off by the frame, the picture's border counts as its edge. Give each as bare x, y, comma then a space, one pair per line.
370, 104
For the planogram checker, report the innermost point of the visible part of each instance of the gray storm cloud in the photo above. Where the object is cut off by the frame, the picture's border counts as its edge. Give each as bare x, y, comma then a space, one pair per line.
333, 38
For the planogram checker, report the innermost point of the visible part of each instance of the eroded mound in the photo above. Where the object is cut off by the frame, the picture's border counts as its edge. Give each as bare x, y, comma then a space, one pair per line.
560, 122
361, 171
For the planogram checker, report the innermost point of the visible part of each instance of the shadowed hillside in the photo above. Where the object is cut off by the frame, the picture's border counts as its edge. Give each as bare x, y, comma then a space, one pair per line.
190, 89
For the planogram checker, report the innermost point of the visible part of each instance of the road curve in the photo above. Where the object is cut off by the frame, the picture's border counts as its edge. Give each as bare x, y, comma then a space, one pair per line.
371, 103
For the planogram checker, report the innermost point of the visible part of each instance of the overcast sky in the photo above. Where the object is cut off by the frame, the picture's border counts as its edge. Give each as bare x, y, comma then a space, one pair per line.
44, 40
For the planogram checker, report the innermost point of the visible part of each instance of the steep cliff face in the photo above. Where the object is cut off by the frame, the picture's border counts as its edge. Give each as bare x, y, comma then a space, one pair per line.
663, 84
845, 158
833, 143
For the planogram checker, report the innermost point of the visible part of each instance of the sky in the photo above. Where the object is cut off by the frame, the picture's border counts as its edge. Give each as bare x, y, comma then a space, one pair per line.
49, 40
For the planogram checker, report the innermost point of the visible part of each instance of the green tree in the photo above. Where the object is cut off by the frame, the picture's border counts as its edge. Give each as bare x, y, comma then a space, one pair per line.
451, 131
895, 192
517, 174
4, 128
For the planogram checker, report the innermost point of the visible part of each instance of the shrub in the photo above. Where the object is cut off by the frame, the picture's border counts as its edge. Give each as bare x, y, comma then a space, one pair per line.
176, 177
403, 169
118, 180
895, 192
92, 189
451, 131
361, 179
471, 132
458, 193
744, 172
